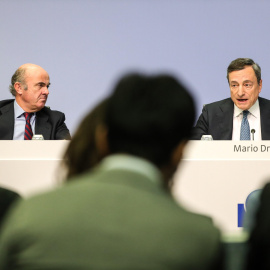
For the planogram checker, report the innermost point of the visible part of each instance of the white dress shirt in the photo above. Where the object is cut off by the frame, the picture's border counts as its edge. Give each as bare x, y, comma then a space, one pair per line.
254, 119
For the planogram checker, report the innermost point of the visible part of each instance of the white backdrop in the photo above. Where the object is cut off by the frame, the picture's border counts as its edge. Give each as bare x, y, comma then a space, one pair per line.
85, 45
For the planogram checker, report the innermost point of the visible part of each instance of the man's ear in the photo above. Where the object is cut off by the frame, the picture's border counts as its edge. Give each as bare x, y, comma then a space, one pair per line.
101, 140
177, 153
260, 86
18, 87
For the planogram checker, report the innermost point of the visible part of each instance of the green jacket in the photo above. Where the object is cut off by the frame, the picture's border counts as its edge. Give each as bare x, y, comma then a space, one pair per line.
107, 219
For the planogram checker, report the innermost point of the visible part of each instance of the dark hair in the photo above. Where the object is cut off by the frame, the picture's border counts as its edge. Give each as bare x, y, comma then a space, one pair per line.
241, 63
82, 153
148, 116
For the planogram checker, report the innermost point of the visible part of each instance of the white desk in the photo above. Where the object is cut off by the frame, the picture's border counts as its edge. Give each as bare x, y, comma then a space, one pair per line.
30, 167
212, 179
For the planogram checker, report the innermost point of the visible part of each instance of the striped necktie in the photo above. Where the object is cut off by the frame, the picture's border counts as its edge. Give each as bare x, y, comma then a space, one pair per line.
28, 134
245, 130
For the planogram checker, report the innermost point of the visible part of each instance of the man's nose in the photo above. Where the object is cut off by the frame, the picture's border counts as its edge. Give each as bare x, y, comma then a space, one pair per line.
241, 91
45, 90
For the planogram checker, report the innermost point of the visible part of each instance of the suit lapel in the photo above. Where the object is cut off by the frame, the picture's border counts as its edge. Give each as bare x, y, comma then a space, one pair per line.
224, 120
7, 122
42, 125
265, 118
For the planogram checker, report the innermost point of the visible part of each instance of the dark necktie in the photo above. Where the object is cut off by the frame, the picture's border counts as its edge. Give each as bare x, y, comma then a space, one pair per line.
245, 130
28, 134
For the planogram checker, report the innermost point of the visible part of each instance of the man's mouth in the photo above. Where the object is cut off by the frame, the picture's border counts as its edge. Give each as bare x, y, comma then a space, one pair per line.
241, 100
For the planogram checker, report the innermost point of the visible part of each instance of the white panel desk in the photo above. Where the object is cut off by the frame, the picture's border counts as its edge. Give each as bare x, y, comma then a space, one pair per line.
30, 167
215, 177
212, 179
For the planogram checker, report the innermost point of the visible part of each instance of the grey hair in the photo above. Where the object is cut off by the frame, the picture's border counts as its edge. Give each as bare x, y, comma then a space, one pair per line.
18, 76
241, 63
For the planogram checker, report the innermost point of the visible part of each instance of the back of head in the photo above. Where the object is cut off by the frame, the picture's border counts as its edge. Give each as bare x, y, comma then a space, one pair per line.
148, 116
83, 152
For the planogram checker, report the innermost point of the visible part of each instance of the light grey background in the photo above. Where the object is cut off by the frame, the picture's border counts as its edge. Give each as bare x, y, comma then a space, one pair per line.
86, 45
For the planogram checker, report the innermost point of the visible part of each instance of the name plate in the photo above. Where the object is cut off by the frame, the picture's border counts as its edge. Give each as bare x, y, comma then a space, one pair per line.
252, 148
227, 150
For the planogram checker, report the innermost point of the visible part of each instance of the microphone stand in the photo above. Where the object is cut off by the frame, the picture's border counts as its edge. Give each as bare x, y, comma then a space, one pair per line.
252, 132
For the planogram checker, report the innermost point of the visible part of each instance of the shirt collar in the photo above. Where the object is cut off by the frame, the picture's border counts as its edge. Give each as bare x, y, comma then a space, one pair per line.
254, 110
18, 111
133, 164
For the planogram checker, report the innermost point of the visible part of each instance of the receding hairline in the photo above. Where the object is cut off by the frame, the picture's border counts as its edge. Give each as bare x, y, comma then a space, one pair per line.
31, 67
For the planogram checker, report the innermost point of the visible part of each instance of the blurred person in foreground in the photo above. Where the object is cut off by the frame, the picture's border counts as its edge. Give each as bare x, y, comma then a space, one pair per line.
120, 215
7, 198
88, 145
258, 256
27, 115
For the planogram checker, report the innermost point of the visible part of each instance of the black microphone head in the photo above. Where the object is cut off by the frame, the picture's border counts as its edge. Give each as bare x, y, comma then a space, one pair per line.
253, 131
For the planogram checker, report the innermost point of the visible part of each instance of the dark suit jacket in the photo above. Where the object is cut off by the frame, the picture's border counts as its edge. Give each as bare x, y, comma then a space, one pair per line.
51, 124
258, 257
217, 120
7, 198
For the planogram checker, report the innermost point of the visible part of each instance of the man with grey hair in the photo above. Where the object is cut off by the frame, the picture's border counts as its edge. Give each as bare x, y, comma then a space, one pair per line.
245, 115
26, 115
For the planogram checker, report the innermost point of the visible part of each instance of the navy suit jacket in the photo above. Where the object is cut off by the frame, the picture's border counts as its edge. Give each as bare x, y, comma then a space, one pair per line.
217, 120
51, 124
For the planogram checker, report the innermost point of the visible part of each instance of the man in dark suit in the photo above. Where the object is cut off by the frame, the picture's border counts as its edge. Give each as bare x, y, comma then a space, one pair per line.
223, 119
121, 214
29, 86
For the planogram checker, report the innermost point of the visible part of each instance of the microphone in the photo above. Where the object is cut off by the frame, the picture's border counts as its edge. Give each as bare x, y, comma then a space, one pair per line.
252, 132
38, 137
207, 138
